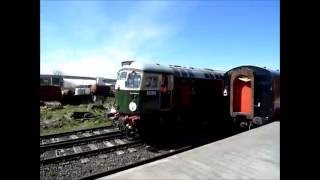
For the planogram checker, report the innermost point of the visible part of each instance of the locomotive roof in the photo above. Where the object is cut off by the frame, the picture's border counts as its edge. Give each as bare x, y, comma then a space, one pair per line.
256, 68
148, 67
177, 71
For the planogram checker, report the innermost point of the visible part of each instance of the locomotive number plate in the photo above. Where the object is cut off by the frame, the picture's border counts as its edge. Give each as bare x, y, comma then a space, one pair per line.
151, 93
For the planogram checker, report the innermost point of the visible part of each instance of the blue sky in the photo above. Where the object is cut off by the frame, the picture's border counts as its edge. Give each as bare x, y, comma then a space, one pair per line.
91, 38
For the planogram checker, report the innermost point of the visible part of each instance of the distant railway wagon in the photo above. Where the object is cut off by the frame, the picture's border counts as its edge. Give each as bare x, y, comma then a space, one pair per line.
152, 93
253, 94
50, 93
100, 90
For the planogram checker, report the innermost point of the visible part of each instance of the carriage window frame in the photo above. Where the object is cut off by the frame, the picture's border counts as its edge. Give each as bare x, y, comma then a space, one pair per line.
55, 81
45, 81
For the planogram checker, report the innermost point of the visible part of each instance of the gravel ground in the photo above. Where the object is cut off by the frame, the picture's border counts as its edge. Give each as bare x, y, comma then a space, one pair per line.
94, 164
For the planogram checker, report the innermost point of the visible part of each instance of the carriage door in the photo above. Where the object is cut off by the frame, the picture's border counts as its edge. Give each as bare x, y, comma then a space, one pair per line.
242, 95
164, 92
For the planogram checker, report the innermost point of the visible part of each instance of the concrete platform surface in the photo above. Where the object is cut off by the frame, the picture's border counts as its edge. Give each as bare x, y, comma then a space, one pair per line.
254, 154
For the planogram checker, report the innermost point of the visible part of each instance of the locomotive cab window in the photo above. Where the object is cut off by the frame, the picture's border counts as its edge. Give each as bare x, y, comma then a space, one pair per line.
133, 80
122, 75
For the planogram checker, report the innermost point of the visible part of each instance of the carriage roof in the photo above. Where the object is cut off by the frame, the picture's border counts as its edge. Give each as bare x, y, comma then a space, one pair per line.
272, 73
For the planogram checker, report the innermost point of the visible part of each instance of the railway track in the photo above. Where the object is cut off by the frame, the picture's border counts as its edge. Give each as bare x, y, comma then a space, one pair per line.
106, 162
77, 137
64, 146
48, 138
135, 164
65, 154
100, 159
104, 157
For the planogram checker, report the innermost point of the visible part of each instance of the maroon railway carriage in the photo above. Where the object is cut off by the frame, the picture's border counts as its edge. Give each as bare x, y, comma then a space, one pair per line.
253, 94
50, 93
100, 90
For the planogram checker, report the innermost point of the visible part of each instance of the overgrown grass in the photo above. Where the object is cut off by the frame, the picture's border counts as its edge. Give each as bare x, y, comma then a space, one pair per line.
109, 101
73, 126
59, 120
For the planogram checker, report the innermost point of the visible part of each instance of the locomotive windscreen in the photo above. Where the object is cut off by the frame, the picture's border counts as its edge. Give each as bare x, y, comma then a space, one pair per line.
134, 80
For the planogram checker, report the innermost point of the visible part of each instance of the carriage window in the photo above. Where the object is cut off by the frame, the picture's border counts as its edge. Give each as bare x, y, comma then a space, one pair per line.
133, 80
45, 81
151, 82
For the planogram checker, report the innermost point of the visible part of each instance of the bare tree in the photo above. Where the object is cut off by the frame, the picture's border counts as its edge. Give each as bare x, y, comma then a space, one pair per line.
57, 78
57, 72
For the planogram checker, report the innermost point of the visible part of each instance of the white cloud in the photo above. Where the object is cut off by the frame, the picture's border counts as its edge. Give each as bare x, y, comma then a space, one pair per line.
122, 40
104, 64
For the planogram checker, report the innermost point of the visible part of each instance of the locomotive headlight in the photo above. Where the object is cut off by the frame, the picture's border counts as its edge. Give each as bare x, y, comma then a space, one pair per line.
225, 92
133, 106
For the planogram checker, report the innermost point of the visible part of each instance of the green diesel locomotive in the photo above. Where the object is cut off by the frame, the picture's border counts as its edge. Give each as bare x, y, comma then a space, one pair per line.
153, 94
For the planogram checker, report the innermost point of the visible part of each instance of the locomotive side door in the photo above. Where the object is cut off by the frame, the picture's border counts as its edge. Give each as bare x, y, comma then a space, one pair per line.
166, 91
